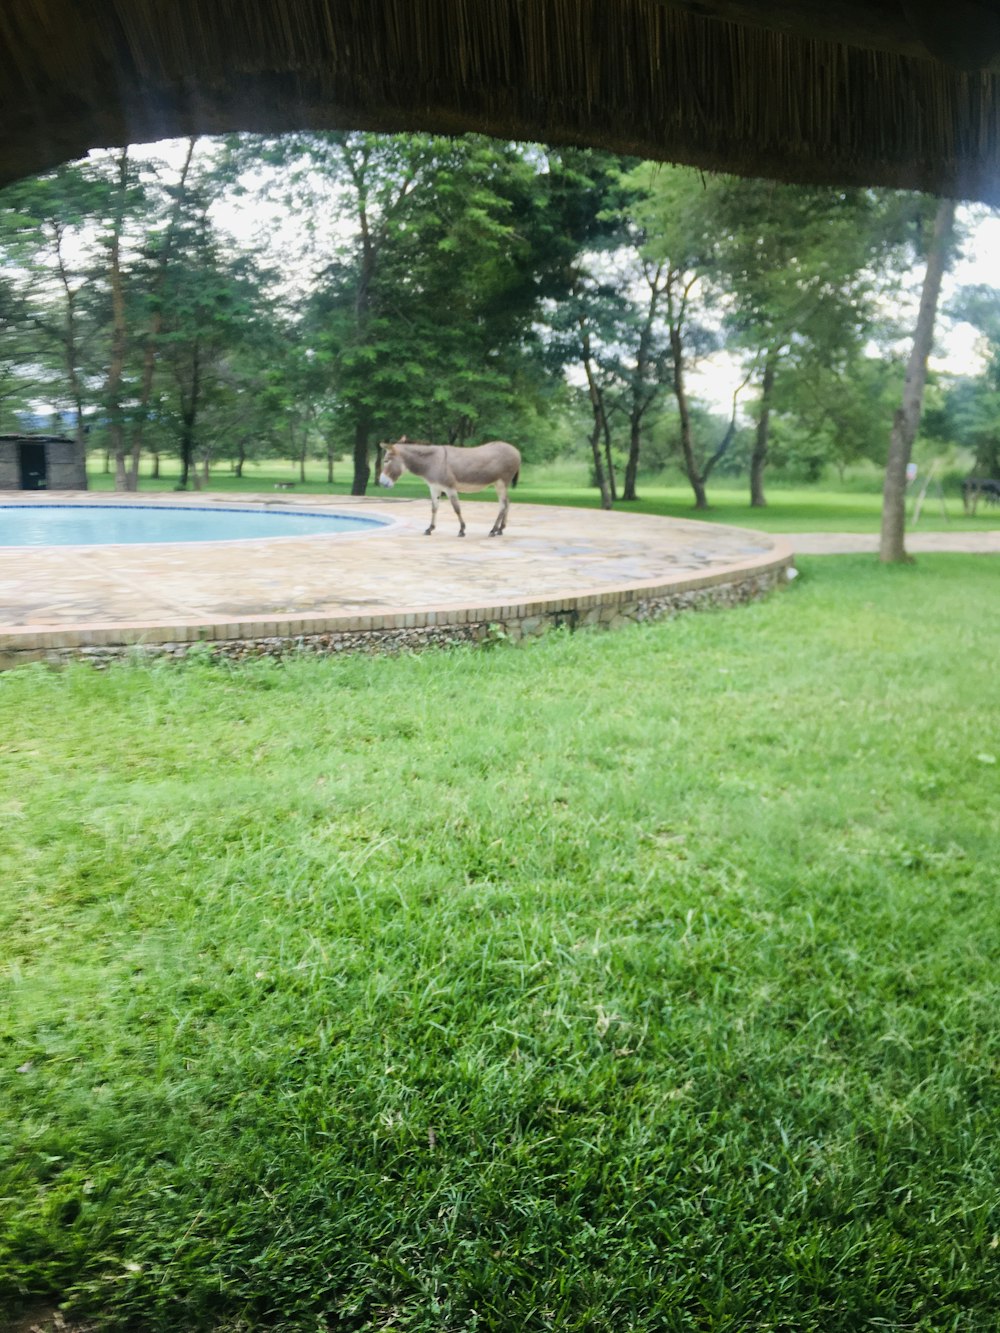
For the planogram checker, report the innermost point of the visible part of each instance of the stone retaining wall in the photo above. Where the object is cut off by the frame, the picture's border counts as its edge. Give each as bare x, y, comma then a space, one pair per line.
406, 632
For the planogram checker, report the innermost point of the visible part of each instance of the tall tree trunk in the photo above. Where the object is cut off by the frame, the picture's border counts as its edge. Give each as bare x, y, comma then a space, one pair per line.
632, 462
600, 479
609, 458
156, 321
70, 343
758, 458
694, 475
362, 313
641, 395
462, 431
189, 414
187, 447
362, 470
116, 364
892, 547
597, 407
329, 465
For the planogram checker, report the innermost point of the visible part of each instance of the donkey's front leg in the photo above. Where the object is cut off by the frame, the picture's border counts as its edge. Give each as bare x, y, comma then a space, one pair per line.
434, 512
453, 497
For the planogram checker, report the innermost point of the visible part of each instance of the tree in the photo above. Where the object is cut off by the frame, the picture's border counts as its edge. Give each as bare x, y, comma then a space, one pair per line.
51, 244
213, 302
832, 412
587, 310
122, 189
160, 252
892, 548
19, 351
426, 313
588, 302
676, 214
971, 407
94, 241
795, 269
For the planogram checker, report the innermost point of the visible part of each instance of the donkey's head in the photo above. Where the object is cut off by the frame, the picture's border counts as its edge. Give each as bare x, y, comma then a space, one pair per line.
392, 464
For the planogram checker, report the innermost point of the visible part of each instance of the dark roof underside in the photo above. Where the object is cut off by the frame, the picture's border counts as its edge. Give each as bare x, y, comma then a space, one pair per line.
837, 93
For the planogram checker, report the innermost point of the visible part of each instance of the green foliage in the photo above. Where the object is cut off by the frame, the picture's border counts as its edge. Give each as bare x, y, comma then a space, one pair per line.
53, 235
969, 415
57, 231
833, 414
624, 981
458, 289
803, 274
796, 264
675, 242
427, 318
970, 412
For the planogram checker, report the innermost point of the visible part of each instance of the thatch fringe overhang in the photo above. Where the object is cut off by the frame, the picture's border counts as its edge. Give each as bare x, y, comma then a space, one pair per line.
746, 88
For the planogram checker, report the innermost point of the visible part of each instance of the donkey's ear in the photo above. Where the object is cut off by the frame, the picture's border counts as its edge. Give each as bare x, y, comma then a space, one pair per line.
401, 440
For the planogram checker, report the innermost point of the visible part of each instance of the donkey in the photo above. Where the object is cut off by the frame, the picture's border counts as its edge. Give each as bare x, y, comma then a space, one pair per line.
448, 469
974, 487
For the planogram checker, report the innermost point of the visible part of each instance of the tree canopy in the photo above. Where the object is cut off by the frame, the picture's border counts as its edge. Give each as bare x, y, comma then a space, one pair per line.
459, 289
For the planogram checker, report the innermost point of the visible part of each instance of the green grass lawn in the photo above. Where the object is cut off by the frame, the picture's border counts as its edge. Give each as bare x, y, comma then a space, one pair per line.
855, 506
635, 981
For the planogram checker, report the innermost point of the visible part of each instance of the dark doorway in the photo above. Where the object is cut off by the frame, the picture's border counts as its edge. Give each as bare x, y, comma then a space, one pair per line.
34, 473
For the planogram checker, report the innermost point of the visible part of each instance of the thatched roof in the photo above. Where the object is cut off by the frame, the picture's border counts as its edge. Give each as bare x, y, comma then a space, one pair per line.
897, 92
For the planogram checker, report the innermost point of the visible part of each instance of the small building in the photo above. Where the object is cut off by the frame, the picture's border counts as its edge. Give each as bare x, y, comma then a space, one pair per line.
41, 463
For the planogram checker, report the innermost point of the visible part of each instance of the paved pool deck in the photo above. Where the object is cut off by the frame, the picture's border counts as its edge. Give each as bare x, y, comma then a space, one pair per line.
341, 591
391, 587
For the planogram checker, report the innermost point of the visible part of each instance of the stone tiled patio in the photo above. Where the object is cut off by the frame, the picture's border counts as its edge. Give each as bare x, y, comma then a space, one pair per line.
348, 590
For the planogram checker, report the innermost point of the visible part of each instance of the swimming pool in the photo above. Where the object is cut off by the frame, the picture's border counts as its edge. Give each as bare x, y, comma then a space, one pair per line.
105, 525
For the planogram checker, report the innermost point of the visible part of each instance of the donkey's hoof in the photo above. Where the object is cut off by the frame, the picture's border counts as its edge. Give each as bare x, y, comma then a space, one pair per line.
428, 531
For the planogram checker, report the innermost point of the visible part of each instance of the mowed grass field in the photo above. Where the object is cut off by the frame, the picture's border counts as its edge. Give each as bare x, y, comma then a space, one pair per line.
631, 981
854, 506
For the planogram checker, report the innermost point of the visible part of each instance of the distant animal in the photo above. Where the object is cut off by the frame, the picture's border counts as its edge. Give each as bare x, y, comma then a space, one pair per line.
974, 488
448, 469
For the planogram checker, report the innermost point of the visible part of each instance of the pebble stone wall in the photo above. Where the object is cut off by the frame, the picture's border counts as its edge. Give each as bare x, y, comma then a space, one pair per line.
408, 632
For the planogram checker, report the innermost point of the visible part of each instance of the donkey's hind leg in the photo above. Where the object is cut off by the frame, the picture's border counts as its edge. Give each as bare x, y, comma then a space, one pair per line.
453, 497
501, 521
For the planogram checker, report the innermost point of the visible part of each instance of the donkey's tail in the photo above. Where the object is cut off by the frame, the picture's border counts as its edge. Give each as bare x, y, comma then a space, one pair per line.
513, 480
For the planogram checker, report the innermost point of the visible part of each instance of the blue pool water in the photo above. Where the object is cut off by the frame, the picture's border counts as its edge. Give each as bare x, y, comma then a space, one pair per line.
101, 525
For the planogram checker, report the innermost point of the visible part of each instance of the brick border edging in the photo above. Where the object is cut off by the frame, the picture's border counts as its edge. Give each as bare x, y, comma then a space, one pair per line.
403, 631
